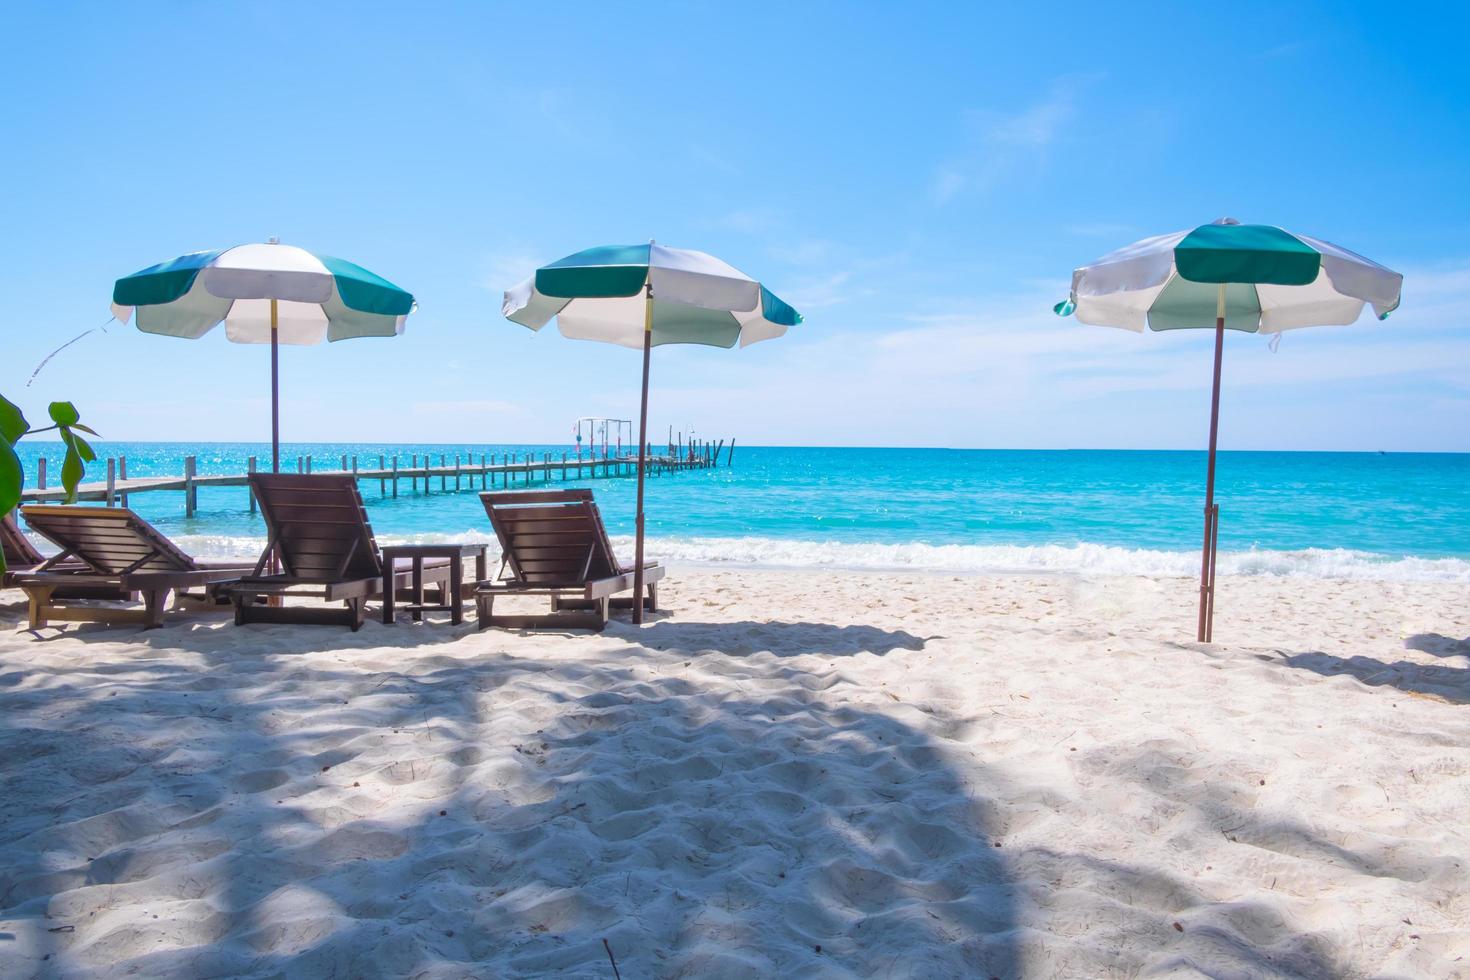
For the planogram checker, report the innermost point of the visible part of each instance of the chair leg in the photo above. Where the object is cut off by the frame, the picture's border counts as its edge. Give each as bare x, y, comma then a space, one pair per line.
39, 602
484, 609
603, 607
155, 604
356, 609
651, 603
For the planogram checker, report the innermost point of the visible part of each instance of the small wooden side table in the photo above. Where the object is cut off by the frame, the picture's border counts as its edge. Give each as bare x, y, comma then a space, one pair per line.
454, 602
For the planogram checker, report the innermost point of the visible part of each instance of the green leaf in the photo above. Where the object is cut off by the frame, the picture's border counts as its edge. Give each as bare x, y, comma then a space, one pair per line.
13, 422
87, 429
82, 446
71, 474
10, 481
63, 413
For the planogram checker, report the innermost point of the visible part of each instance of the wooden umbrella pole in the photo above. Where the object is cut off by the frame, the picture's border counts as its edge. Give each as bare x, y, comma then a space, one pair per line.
642, 450
1206, 583
275, 394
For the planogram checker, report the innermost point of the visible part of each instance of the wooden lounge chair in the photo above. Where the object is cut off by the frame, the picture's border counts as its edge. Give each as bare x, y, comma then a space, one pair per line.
319, 533
110, 553
553, 543
22, 556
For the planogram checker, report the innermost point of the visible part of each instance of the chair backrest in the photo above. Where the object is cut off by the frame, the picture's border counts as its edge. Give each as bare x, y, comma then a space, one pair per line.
551, 537
317, 525
109, 540
20, 554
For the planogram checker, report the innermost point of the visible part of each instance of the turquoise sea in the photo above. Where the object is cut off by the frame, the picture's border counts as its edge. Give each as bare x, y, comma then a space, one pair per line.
1360, 515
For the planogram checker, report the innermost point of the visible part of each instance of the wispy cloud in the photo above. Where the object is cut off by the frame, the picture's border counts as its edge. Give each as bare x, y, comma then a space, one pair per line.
488, 408
814, 294
751, 221
711, 158
1284, 50
804, 251
1104, 229
1002, 145
508, 265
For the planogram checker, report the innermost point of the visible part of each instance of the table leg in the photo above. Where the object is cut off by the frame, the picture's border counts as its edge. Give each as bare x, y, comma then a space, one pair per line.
456, 584
388, 591
418, 589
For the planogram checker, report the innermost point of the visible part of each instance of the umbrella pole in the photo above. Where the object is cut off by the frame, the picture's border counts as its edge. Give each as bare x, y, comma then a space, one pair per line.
275, 394
275, 419
642, 449
1212, 514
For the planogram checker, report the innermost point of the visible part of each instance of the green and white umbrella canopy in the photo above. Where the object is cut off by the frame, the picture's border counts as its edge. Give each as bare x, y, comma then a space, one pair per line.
264, 294
643, 296
317, 297
1274, 280
598, 294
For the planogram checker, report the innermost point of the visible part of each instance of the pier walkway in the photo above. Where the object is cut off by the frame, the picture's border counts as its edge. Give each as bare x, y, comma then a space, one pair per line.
421, 472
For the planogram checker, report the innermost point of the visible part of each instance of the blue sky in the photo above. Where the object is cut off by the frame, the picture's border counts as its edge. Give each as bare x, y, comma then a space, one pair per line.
918, 179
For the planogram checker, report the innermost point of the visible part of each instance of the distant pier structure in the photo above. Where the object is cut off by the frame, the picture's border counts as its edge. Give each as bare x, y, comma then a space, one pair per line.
423, 473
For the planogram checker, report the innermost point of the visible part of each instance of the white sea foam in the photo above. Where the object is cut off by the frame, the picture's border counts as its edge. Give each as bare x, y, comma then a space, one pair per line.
1088, 559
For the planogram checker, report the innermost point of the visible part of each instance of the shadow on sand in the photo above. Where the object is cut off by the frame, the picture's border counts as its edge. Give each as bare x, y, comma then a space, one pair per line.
1446, 682
782, 639
374, 810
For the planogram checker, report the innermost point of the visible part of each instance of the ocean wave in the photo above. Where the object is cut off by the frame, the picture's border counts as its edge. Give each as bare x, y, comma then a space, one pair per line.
1092, 559
1085, 559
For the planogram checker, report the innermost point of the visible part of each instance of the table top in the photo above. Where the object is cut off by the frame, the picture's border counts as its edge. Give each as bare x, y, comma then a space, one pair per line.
441, 550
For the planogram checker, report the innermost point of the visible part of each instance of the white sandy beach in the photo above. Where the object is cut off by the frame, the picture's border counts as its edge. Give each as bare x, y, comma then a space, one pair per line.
787, 774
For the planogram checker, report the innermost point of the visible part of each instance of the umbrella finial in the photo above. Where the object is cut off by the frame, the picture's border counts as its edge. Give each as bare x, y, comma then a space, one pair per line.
1226, 221
273, 240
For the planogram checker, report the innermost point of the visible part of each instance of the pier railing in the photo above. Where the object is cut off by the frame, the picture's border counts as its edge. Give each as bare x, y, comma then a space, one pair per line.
421, 473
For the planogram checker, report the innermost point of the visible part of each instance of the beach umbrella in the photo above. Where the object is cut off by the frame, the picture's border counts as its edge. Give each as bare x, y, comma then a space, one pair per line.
643, 296
264, 294
1252, 278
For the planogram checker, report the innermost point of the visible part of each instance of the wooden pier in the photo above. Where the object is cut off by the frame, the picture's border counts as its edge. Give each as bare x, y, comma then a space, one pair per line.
425, 473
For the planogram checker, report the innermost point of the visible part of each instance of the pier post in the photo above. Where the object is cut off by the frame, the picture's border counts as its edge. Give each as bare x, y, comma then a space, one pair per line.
354, 468
344, 462
308, 463
456, 472
250, 491
413, 480
382, 483
395, 477
122, 477
111, 480
428, 468
482, 472
41, 473
191, 502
